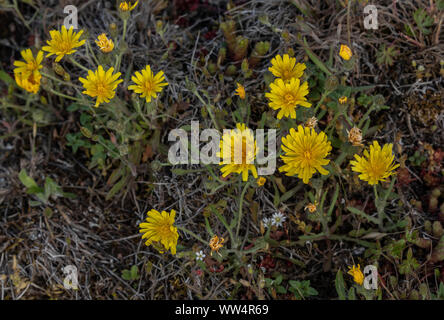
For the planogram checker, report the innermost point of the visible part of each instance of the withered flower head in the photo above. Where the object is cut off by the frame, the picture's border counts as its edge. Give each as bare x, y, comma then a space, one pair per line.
355, 137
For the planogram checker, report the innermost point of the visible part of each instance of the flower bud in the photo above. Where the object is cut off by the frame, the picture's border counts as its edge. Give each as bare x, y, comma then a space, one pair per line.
113, 30
331, 83
58, 69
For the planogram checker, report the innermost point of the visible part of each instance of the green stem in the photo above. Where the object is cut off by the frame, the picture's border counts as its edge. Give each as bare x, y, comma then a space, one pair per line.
239, 216
324, 95
119, 55
348, 120
192, 234
209, 109
139, 111
78, 64
59, 80
64, 95
379, 209
125, 22
15, 6
365, 117
88, 46
225, 223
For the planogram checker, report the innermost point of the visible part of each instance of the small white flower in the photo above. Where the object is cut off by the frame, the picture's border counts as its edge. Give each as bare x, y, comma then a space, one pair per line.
267, 222
200, 255
277, 219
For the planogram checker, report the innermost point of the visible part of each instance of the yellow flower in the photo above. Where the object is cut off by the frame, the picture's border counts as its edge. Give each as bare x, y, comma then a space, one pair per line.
376, 165
357, 274
305, 152
287, 96
240, 91
101, 84
355, 137
216, 243
147, 84
345, 52
126, 6
31, 65
106, 45
63, 42
311, 207
342, 100
286, 68
159, 228
261, 181
234, 140
26, 73
30, 83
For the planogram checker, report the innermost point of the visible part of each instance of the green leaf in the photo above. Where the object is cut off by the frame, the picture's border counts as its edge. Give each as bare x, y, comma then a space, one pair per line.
340, 285
116, 188
333, 201
362, 215
278, 279
6, 78
423, 21
27, 181
440, 292
386, 56
281, 290
132, 274
48, 212
315, 58
438, 251
351, 294
51, 188
34, 190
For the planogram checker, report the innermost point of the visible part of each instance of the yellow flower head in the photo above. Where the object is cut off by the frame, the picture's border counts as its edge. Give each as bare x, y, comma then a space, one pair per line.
147, 84
342, 100
241, 150
305, 152
106, 45
286, 96
63, 42
31, 65
216, 243
355, 137
376, 165
101, 84
126, 6
26, 73
286, 68
311, 207
240, 91
345, 52
261, 181
159, 228
30, 83
357, 274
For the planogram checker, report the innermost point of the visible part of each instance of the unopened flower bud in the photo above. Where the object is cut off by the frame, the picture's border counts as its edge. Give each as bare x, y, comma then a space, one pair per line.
332, 83
58, 69
113, 30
